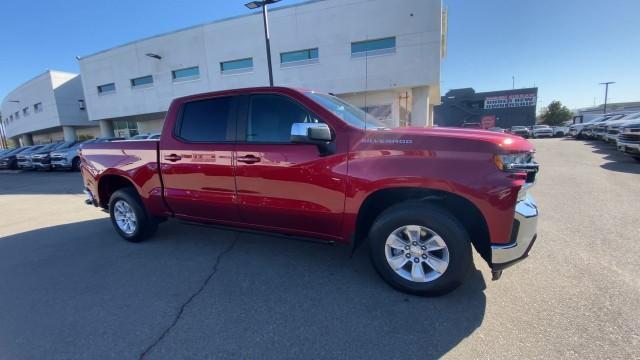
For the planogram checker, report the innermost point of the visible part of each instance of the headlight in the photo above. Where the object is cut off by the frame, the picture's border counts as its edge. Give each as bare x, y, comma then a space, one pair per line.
516, 162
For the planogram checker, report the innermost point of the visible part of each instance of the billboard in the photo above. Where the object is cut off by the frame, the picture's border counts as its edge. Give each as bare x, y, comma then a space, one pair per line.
510, 101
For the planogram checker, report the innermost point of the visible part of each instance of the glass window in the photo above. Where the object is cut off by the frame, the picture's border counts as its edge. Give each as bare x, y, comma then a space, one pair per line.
297, 56
25, 111
186, 73
271, 117
106, 88
17, 115
236, 66
352, 115
205, 120
373, 47
125, 128
37, 107
141, 81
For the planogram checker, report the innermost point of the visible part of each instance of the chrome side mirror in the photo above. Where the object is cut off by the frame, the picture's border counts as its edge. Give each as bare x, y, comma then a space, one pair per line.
313, 133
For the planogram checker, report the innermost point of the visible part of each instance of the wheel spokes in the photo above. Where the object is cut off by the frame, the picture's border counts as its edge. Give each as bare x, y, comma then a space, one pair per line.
435, 243
417, 272
413, 233
438, 265
396, 242
397, 262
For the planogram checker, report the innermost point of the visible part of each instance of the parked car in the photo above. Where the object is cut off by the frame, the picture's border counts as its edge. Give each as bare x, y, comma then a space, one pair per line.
600, 129
69, 159
628, 140
497, 129
308, 164
24, 159
613, 127
147, 136
585, 129
9, 160
541, 131
560, 131
520, 131
42, 159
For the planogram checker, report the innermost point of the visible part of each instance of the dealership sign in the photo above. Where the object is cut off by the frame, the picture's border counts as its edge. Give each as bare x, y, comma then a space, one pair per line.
510, 101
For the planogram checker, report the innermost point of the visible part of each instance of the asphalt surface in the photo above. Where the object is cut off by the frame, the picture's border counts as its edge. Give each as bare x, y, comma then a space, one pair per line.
71, 289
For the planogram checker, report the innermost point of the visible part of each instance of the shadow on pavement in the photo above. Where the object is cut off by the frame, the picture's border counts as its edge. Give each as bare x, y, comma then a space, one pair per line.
15, 182
79, 291
617, 161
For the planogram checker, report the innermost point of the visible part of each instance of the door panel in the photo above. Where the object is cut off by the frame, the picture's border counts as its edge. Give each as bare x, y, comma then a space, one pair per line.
282, 185
197, 160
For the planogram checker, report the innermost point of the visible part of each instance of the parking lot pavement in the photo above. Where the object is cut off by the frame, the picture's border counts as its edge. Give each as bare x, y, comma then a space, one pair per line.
70, 288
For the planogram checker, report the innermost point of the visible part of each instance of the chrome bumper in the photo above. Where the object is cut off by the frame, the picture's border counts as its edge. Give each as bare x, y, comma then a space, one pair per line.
628, 146
525, 231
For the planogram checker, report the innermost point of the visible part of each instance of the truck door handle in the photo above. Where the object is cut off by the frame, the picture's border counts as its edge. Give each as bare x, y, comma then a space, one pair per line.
249, 159
172, 157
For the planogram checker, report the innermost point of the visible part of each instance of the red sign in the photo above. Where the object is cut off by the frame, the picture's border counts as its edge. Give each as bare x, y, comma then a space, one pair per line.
488, 121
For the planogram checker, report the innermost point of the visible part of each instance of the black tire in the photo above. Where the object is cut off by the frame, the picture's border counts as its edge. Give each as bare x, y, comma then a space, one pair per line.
436, 219
146, 225
75, 164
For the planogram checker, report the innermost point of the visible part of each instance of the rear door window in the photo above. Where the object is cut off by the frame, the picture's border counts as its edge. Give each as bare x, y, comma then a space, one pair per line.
207, 120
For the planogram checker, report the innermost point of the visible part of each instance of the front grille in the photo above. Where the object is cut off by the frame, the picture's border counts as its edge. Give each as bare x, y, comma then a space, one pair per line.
612, 131
57, 157
629, 137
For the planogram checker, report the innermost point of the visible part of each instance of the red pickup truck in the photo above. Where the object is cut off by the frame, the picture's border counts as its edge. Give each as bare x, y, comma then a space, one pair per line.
308, 164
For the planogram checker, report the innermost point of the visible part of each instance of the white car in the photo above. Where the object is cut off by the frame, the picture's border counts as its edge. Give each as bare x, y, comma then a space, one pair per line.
542, 131
613, 127
147, 136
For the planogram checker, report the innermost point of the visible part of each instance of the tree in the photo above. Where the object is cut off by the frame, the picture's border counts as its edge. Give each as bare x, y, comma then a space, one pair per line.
556, 114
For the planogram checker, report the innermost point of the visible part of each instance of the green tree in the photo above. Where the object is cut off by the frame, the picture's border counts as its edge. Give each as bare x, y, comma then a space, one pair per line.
556, 114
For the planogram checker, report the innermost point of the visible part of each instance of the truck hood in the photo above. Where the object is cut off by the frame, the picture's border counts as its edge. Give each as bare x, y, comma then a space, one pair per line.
506, 142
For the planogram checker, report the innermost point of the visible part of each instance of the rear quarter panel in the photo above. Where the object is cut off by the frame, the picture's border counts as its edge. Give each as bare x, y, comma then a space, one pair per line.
135, 161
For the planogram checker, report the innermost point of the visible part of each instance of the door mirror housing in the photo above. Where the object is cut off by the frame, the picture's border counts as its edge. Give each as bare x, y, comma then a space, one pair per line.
313, 133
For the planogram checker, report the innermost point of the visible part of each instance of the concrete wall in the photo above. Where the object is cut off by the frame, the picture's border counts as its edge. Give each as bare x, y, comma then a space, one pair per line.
329, 25
58, 92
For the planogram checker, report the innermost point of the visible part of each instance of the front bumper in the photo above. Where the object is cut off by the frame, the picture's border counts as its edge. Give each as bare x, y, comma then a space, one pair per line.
629, 147
25, 164
524, 233
60, 164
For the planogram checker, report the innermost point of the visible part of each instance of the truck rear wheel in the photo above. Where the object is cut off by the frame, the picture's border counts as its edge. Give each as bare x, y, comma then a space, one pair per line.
129, 217
420, 249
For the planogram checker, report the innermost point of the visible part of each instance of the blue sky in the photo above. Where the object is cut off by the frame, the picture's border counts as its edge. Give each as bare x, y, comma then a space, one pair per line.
565, 47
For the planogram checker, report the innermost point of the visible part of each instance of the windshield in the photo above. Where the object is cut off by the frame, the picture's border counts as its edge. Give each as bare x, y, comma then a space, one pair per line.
540, 126
518, 128
352, 115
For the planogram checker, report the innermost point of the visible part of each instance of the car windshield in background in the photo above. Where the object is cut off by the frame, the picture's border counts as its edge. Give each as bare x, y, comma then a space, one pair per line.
354, 116
518, 128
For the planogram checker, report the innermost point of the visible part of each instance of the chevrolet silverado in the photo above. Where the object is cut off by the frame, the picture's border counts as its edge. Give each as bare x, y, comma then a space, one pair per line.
308, 164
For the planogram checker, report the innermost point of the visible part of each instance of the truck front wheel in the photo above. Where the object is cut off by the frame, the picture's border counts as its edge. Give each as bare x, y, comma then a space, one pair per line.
129, 217
420, 249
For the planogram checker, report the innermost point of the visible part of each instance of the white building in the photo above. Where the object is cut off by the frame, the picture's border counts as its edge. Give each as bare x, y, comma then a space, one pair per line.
47, 108
381, 54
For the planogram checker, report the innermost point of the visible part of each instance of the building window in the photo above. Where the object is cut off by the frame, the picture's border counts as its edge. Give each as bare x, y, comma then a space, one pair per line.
299, 57
17, 115
11, 118
191, 73
25, 111
125, 128
373, 47
144, 81
236, 66
81, 104
37, 107
106, 88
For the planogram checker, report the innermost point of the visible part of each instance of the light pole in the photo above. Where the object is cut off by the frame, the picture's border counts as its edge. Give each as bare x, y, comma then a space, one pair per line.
606, 94
263, 4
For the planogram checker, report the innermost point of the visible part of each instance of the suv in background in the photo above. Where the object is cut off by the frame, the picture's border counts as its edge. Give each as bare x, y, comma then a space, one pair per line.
629, 139
520, 131
613, 128
9, 159
541, 131
585, 129
600, 130
42, 158
23, 159
69, 159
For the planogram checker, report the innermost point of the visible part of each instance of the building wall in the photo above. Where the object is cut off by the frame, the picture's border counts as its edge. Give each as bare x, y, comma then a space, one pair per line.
329, 25
48, 137
58, 92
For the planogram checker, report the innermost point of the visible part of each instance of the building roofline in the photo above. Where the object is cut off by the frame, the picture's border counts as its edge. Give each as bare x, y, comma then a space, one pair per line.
283, 7
48, 71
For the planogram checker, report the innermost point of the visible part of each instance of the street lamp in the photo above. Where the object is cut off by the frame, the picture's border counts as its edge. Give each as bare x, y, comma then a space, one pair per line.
263, 4
606, 94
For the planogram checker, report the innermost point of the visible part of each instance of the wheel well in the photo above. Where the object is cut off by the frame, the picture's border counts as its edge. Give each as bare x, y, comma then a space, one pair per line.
108, 185
466, 212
